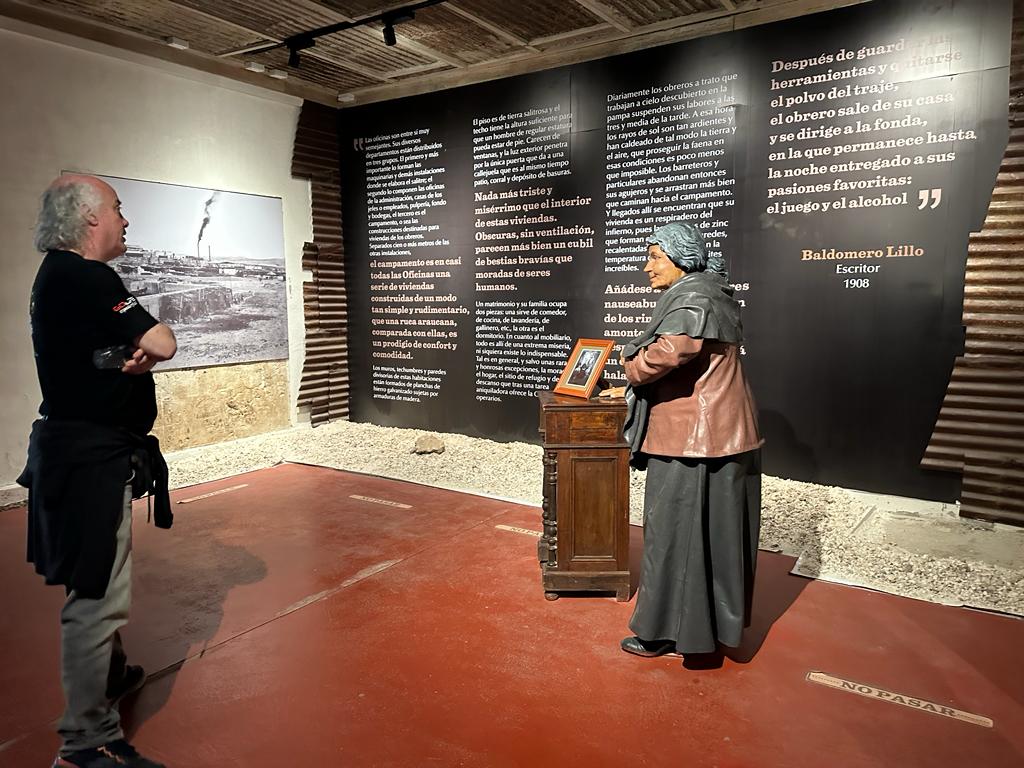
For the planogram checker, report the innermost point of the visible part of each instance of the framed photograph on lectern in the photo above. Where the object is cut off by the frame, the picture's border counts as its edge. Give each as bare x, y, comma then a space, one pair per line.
581, 372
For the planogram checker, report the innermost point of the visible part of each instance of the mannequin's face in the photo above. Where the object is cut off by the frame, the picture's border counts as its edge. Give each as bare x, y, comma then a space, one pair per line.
660, 269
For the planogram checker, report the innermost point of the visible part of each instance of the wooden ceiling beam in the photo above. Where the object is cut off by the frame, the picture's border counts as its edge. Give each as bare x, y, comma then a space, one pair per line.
417, 70
346, 64
779, 10
490, 26
696, 18
606, 13
568, 35
425, 50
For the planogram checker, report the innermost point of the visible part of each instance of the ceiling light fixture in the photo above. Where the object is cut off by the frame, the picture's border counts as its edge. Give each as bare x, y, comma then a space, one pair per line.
255, 66
277, 74
396, 17
296, 44
304, 40
177, 42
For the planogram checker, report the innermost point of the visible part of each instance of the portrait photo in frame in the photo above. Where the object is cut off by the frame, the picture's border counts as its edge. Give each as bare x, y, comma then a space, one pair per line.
584, 367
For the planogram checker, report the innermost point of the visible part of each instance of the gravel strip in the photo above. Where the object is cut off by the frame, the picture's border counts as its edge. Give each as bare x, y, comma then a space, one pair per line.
828, 528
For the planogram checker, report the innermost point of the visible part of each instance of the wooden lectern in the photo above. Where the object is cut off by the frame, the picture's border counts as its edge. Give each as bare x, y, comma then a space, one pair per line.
585, 545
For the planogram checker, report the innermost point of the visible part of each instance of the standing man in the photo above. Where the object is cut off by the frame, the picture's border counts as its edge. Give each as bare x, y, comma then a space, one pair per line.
89, 450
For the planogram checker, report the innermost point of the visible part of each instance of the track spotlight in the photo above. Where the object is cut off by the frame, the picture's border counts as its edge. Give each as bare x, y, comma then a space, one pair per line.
389, 19
296, 44
395, 17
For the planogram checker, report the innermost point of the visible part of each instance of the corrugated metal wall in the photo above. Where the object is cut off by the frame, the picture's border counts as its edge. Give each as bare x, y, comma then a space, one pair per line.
980, 428
324, 387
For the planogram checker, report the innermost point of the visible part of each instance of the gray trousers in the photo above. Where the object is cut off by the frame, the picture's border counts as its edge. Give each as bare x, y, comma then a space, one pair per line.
91, 652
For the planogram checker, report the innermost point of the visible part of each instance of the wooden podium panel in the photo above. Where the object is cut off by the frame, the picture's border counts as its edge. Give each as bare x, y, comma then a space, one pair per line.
585, 544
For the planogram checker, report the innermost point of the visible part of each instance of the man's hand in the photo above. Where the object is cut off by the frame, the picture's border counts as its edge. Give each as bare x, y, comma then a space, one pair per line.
138, 363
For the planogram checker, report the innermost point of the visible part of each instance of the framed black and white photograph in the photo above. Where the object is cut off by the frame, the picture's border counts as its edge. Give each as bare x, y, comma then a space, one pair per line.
584, 367
210, 264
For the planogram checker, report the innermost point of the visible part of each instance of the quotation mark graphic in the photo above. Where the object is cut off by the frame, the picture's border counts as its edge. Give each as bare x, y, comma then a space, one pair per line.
925, 194
359, 145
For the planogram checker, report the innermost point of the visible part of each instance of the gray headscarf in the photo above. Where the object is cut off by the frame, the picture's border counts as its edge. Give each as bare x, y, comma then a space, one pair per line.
683, 243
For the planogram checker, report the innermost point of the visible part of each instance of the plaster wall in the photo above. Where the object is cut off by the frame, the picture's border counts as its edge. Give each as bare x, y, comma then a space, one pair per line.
69, 104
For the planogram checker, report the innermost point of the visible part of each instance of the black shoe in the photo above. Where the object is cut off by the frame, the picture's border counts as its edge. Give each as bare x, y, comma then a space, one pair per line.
712, 660
133, 679
114, 754
640, 647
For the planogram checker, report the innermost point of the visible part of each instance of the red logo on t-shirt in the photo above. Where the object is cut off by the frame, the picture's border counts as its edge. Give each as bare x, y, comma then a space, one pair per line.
124, 306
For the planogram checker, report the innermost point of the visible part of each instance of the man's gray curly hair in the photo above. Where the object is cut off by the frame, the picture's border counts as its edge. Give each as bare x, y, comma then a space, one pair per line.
62, 218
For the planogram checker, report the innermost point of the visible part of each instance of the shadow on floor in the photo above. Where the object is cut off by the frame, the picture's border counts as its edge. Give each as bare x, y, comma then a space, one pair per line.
195, 588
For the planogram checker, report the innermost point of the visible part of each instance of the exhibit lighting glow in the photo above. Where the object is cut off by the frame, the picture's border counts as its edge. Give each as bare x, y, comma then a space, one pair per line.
177, 42
277, 74
346, 97
255, 66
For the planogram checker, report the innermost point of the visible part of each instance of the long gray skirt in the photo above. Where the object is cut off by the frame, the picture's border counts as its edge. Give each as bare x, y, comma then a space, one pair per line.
701, 522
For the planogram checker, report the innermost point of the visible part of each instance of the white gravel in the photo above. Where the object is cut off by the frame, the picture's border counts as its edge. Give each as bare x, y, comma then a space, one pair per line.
833, 531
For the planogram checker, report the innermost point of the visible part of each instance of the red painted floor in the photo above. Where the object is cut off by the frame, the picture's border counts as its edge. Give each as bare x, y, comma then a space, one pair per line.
320, 629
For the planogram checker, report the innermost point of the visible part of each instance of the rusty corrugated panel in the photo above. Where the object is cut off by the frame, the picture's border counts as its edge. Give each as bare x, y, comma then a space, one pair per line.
324, 387
159, 19
980, 428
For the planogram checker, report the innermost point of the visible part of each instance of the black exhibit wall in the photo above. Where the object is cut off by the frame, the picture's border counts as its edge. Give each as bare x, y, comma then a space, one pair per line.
837, 161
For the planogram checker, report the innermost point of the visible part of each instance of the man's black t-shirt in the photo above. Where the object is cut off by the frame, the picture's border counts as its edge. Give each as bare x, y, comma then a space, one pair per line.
79, 306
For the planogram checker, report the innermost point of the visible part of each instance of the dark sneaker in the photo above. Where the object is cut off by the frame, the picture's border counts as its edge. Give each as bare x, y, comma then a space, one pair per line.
133, 679
114, 754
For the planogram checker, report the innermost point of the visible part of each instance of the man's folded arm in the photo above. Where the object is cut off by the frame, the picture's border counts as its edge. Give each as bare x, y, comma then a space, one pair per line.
158, 342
